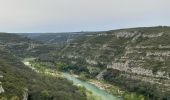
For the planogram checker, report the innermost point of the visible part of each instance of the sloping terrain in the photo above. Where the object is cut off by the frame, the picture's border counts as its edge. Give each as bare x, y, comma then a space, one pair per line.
18, 82
24, 46
21, 83
135, 59
53, 38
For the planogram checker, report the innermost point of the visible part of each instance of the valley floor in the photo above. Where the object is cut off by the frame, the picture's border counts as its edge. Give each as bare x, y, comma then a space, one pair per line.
102, 92
101, 85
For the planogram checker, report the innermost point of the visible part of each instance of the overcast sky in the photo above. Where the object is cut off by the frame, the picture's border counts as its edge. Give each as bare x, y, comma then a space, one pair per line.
81, 15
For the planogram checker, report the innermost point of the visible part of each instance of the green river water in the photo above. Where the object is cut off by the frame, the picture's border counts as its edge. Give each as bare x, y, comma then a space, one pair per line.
95, 90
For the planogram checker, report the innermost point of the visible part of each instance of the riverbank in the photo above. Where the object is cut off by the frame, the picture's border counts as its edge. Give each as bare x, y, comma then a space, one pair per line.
114, 90
107, 87
111, 89
91, 87
94, 90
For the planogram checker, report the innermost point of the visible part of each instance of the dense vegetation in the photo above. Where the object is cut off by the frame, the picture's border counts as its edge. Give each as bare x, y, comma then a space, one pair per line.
149, 90
136, 60
19, 81
22, 46
143, 51
52, 38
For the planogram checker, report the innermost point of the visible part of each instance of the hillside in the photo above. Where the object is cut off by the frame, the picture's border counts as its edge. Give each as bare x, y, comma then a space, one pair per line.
135, 59
23, 46
53, 38
18, 82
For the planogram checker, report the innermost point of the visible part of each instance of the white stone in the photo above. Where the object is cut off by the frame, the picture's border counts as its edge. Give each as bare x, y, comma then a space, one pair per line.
1, 89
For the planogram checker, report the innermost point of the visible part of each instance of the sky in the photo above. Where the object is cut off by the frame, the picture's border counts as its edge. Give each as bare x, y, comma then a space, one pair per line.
81, 15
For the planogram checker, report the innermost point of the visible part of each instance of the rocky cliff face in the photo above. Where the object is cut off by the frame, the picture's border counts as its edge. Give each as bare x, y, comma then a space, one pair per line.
140, 53
1, 88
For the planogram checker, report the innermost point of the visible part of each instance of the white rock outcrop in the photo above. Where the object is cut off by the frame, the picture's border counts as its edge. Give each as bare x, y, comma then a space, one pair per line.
136, 38
89, 61
137, 70
25, 94
152, 35
164, 46
1, 88
124, 34
160, 53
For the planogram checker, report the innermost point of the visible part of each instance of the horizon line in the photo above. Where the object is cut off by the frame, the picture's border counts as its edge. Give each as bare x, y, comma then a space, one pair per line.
88, 31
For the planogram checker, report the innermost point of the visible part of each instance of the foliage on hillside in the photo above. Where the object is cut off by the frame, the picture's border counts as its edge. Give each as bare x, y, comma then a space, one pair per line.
23, 46
18, 80
135, 59
141, 55
52, 38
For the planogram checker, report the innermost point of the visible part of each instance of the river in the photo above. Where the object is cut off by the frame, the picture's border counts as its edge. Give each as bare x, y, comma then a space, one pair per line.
95, 90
